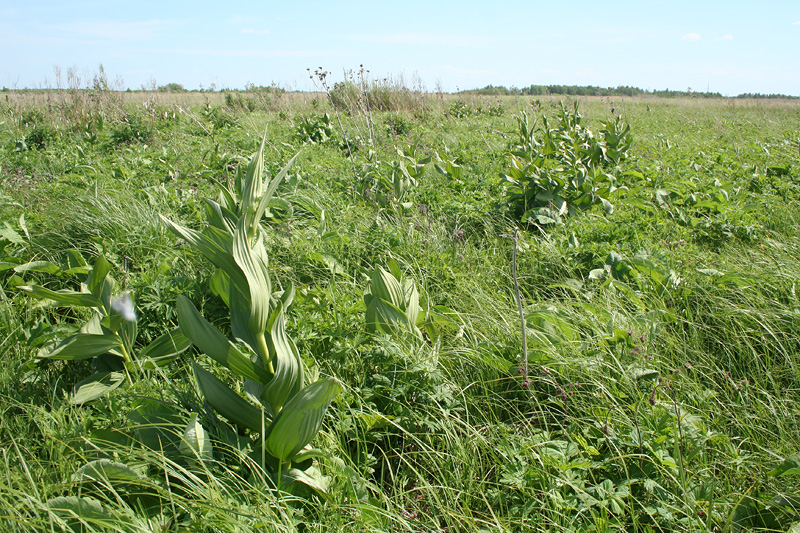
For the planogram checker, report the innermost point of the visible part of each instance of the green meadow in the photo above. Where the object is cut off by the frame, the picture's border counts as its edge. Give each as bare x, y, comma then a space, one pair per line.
376, 309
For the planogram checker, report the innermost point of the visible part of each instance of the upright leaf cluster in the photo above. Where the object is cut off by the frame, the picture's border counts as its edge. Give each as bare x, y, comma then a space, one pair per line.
564, 169
392, 302
287, 413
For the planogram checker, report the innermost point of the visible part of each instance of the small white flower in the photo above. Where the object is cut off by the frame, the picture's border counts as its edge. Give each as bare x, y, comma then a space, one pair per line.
123, 304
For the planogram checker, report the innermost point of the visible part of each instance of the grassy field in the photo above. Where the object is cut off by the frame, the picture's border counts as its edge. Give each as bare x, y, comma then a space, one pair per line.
654, 385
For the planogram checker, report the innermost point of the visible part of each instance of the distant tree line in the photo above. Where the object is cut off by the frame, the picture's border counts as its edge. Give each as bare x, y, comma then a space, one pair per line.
591, 90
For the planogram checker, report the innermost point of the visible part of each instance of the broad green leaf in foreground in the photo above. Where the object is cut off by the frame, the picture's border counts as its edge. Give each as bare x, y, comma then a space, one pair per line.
195, 443
789, 466
166, 346
96, 386
84, 346
301, 418
105, 469
215, 344
228, 403
63, 297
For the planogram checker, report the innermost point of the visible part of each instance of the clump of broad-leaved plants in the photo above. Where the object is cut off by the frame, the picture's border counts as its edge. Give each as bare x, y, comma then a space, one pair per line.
392, 302
109, 336
282, 412
561, 170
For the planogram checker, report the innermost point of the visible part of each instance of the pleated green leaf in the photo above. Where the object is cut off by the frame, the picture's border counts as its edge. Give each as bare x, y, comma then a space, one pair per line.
214, 344
300, 420
285, 360
97, 278
228, 403
383, 317
166, 346
254, 264
63, 297
220, 285
252, 184
195, 443
96, 386
267, 196
85, 345
106, 470
38, 266
386, 287
213, 243
84, 508
239, 305
411, 307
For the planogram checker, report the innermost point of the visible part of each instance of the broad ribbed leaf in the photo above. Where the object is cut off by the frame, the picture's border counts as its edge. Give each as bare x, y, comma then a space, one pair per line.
96, 386
214, 244
168, 345
252, 185
285, 360
386, 287
317, 482
267, 196
239, 305
220, 285
216, 218
84, 346
287, 296
227, 199
97, 278
106, 470
411, 301
300, 420
789, 466
94, 326
63, 297
214, 344
228, 403
87, 509
195, 443
254, 264
383, 317
38, 266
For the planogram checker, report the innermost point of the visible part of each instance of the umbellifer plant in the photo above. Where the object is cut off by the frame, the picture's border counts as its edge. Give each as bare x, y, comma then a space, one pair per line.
281, 410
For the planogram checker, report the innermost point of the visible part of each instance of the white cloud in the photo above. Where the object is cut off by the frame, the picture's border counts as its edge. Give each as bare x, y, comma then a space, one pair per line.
421, 39
691, 37
796, 22
726, 37
255, 32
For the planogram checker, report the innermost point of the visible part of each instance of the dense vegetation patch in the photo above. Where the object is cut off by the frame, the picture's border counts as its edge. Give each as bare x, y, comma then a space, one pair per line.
405, 312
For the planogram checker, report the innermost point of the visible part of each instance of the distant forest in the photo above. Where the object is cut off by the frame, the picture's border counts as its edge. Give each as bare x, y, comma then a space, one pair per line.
590, 90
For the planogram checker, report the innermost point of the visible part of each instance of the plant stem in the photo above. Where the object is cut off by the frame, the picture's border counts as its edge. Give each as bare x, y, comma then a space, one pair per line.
264, 349
519, 306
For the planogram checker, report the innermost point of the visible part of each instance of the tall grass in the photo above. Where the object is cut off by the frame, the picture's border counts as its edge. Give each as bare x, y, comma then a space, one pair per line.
660, 395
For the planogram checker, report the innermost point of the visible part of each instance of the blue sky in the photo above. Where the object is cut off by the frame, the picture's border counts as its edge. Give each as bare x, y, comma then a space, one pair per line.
729, 47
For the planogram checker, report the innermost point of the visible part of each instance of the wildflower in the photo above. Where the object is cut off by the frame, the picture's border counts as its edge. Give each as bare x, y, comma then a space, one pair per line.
123, 304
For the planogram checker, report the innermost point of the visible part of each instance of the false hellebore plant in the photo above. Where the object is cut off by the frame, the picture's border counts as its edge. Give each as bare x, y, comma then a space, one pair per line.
392, 302
109, 337
287, 413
